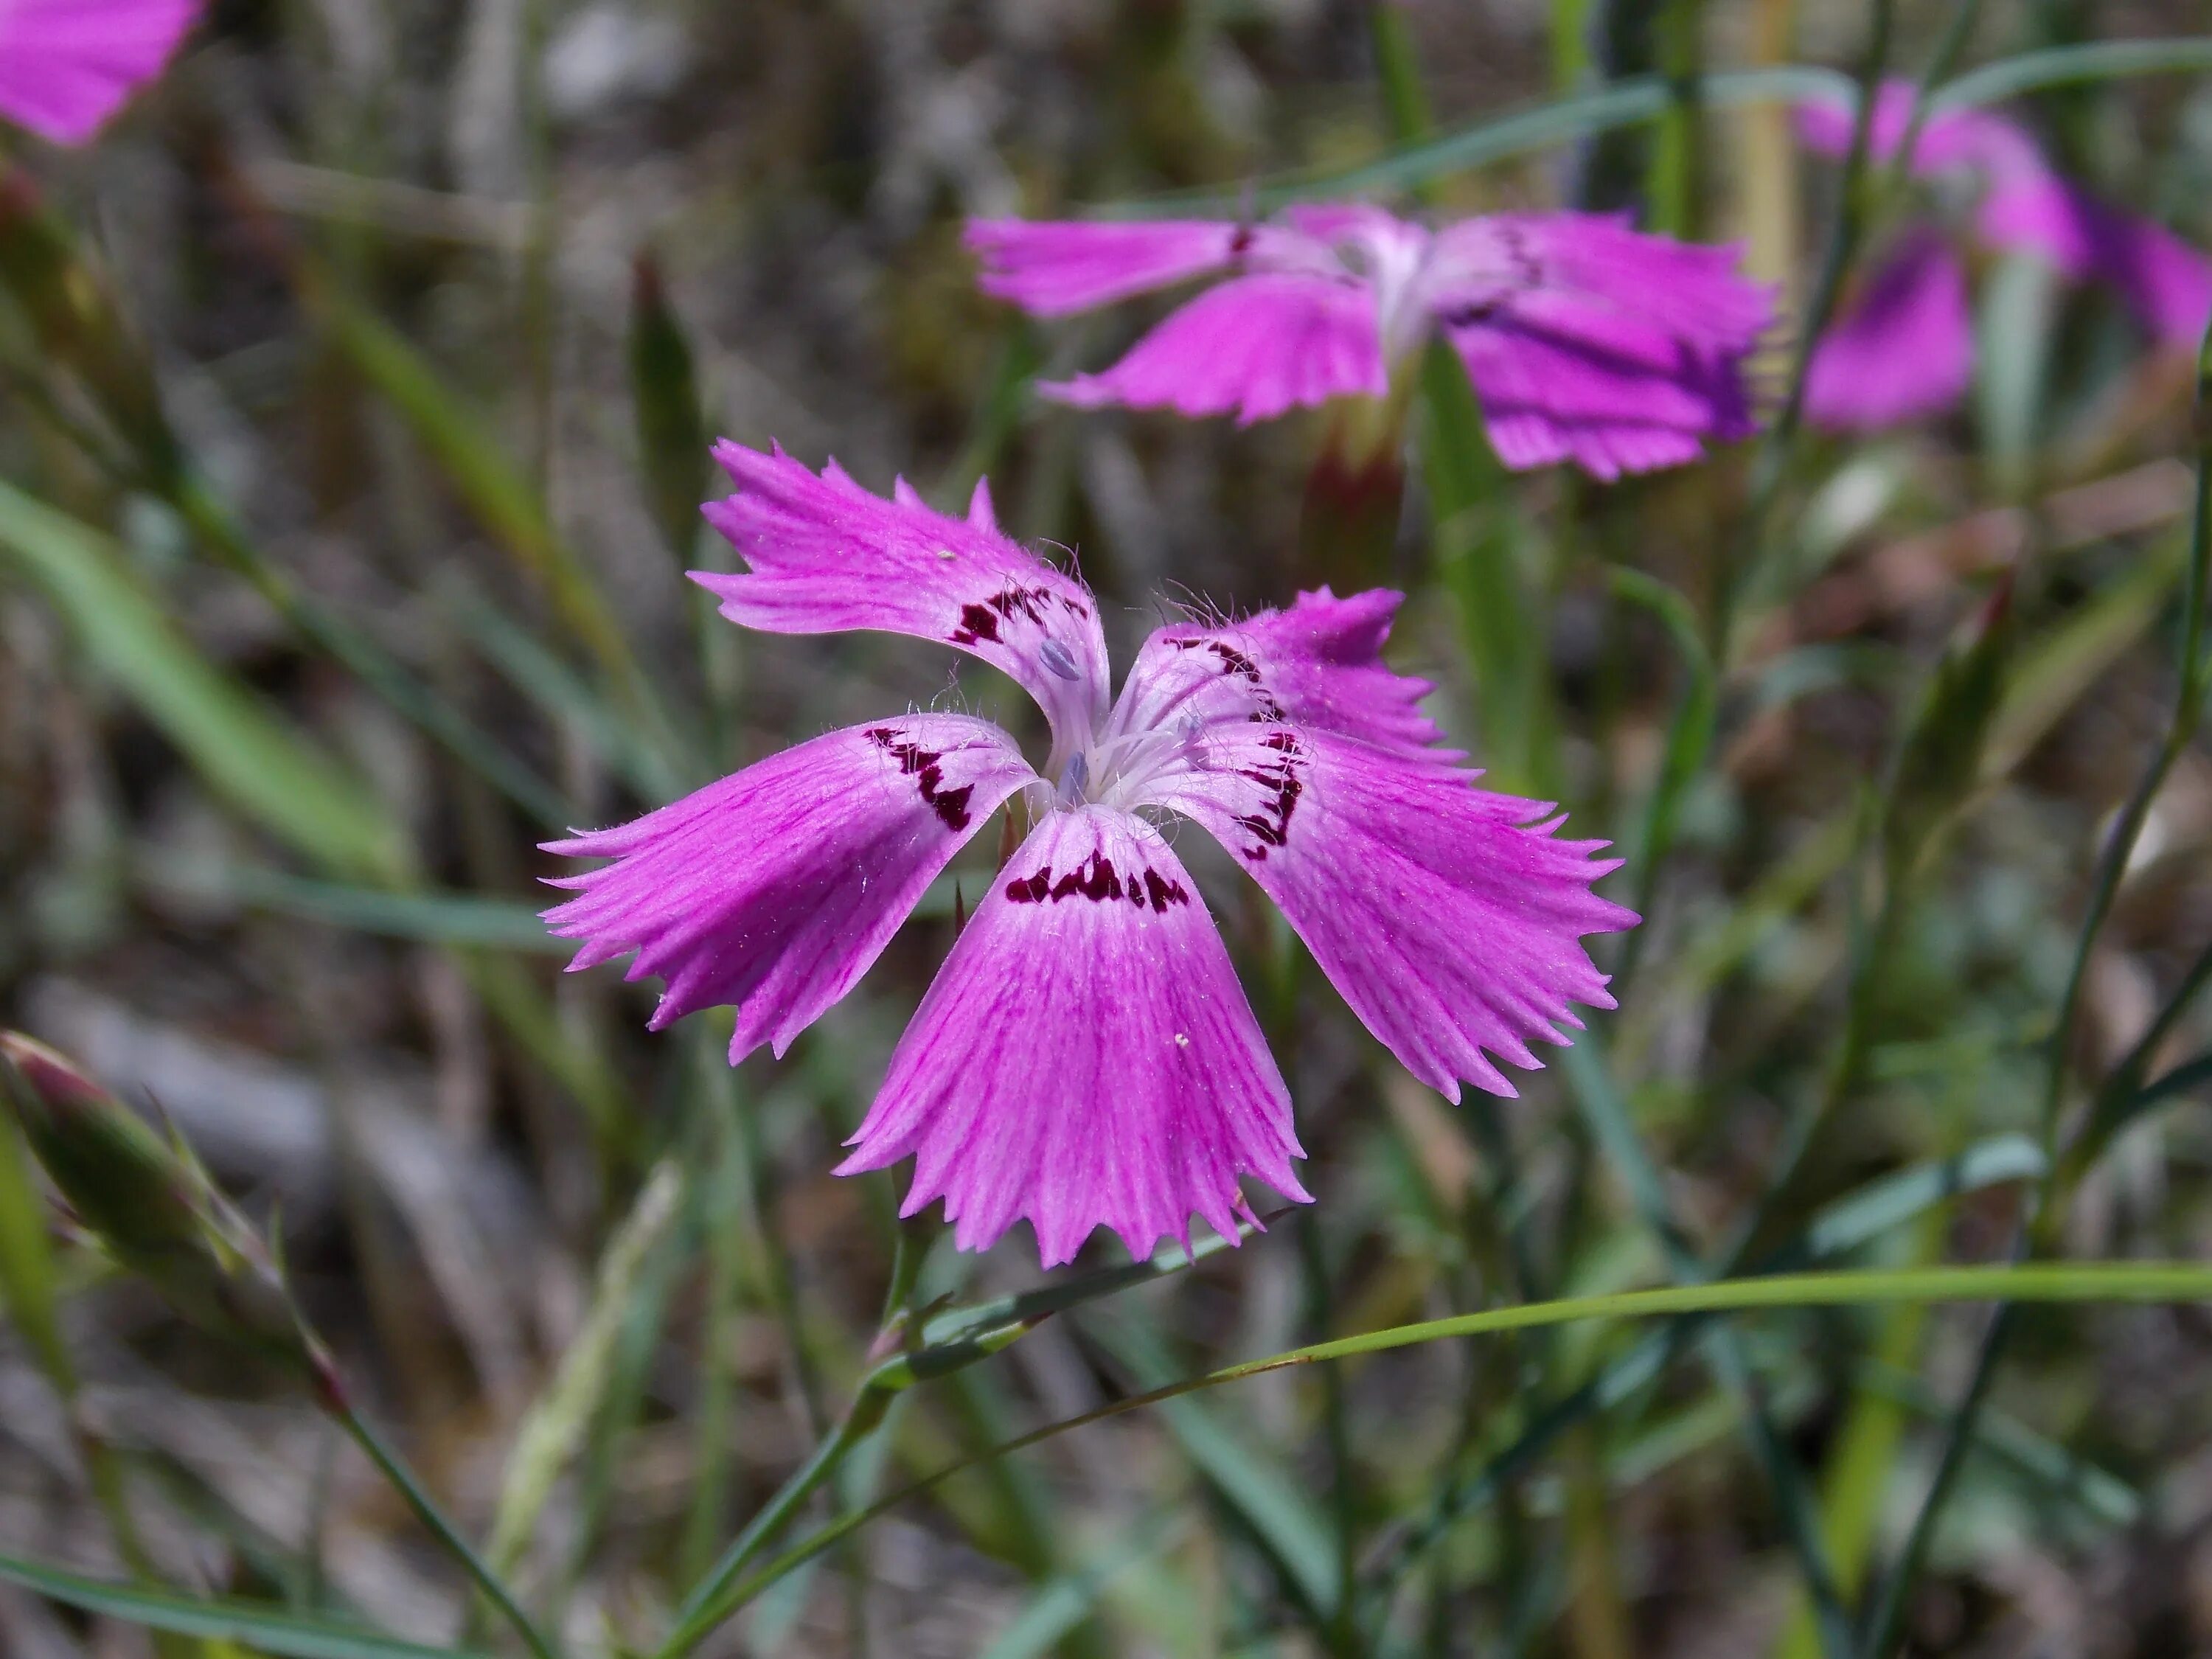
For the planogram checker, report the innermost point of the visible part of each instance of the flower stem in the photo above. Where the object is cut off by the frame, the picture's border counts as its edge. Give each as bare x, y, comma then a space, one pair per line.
2040, 1231
402, 1480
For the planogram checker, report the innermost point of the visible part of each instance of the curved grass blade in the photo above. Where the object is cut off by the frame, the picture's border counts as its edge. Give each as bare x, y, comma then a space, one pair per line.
1543, 126
2064, 66
2119, 1282
1854, 1220
289, 1635
1647, 98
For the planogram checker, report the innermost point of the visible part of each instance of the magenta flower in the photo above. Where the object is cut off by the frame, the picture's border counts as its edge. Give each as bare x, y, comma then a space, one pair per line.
1587, 341
1086, 1057
1905, 346
67, 65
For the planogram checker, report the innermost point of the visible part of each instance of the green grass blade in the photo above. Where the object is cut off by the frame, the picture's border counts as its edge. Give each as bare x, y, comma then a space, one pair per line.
1647, 98
246, 751
2117, 1282
553, 1430
1541, 127
1055, 1609
429, 917
2062, 66
1292, 1530
292, 1636
27, 1260
489, 483
1476, 531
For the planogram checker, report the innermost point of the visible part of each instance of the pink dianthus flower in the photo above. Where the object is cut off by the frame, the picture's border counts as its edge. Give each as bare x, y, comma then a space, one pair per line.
1904, 347
1586, 340
1086, 1057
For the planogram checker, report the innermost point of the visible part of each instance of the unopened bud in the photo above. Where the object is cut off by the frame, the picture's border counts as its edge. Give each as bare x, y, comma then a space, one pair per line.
145, 1202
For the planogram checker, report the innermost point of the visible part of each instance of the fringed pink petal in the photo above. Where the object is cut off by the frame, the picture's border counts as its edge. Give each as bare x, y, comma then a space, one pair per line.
825, 555
67, 65
1085, 1058
774, 890
1545, 400
1592, 277
1449, 918
1052, 268
1318, 665
1254, 346
1903, 350
1588, 341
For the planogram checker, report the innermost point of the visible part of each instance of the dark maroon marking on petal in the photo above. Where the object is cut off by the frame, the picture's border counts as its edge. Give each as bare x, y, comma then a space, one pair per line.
1285, 778
1527, 272
1241, 243
977, 623
1473, 314
1234, 661
1032, 888
1163, 893
921, 765
952, 806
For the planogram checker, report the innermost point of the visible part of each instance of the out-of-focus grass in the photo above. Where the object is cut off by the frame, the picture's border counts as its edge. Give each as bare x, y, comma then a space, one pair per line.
354, 393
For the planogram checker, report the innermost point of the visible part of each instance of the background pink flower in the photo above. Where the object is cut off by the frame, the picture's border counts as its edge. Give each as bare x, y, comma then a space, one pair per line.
1586, 340
1904, 347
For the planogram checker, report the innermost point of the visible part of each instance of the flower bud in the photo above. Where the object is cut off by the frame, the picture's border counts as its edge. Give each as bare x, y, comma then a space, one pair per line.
145, 1202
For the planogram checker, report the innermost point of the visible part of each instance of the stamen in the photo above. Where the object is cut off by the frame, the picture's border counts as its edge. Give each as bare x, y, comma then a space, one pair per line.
1059, 659
1077, 778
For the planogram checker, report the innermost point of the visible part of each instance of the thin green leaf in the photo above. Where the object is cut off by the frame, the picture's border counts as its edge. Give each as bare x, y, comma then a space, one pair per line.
1541, 127
247, 752
291, 1635
1476, 532
671, 427
2051, 676
457, 440
2062, 66
554, 1428
1893, 1200
1292, 1531
1646, 98
27, 1260
2114, 1282
432, 918
1057, 1607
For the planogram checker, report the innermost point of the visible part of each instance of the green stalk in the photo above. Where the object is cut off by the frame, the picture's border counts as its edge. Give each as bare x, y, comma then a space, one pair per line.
2040, 1233
2129, 1282
402, 1479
